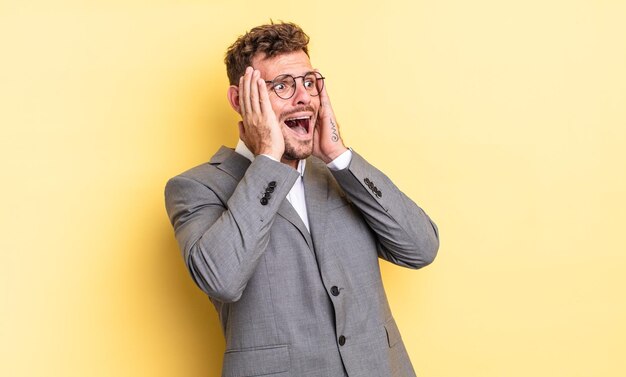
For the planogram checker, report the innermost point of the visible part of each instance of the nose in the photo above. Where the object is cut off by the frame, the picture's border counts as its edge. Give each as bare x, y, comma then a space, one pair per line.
301, 96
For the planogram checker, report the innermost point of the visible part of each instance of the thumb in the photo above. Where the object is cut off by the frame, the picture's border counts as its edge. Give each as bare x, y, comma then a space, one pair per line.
242, 130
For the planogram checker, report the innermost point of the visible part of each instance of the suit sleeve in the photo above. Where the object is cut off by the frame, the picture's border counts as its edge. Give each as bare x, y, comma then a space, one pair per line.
222, 242
406, 235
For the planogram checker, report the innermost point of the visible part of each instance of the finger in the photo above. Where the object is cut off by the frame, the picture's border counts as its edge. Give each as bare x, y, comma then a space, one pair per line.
254, 92
246, 91
324, 99
264, 98
240, 96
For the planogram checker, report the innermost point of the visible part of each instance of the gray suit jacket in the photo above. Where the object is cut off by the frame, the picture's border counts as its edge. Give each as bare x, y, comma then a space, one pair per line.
294, 303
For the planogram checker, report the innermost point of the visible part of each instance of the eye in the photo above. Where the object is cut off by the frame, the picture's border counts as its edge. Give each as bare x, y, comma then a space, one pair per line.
282, 84
309, 82
279, 86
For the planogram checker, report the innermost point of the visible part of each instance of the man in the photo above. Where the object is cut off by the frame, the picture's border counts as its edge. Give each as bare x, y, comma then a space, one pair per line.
284, 232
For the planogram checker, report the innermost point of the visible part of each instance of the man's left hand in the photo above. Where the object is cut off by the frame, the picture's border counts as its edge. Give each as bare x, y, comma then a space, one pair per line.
327, 142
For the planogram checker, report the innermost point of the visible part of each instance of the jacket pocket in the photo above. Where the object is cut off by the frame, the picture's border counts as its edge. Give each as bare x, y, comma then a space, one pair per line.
258, 361
393, 334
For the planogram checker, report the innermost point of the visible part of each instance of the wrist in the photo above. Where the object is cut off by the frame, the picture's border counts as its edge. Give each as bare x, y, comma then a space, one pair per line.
266, 147
328, 157
271, 153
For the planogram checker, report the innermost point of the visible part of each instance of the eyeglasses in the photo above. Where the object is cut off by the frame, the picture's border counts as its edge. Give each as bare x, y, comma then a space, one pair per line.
285, 85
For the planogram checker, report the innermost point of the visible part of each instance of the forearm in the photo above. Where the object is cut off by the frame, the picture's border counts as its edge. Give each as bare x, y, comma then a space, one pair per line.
406, 235
223, 242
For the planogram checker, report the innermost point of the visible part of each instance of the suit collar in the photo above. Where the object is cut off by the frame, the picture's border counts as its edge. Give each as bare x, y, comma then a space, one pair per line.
243, 150
230, 162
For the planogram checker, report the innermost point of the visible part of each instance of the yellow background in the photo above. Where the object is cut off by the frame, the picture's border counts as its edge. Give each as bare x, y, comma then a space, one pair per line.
505, 120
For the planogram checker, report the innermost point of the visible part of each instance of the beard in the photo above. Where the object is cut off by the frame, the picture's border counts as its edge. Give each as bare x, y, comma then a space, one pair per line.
297, 150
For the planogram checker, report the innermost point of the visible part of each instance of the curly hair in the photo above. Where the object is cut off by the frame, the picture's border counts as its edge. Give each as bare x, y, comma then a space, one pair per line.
271, 39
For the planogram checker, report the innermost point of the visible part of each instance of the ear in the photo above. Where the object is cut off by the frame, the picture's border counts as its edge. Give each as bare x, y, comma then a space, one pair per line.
233, 97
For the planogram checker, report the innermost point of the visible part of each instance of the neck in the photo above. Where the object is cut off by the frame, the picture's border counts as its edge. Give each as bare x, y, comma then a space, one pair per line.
290, 162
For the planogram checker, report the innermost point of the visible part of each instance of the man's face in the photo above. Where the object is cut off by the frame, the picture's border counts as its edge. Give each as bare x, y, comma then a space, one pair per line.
298, 114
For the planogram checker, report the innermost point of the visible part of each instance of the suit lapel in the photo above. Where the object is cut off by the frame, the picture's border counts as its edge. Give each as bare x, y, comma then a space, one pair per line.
236, 165
289, 213
316, 194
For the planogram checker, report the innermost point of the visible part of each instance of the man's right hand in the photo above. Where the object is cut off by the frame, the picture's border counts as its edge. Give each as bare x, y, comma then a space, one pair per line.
259, 128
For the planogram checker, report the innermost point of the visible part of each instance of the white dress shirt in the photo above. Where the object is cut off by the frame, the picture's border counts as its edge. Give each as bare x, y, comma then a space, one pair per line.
296, 194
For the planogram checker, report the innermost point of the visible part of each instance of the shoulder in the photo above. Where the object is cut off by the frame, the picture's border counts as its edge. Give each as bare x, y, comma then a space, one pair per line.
225, 162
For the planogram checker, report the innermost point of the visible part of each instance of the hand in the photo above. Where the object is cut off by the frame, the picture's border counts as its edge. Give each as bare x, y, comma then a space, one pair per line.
327, 143
259, 128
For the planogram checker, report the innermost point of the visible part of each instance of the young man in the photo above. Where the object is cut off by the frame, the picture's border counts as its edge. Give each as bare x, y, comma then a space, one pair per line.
284, 232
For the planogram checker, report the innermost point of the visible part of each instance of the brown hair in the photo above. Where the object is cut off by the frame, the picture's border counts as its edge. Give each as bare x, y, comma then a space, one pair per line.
272, 39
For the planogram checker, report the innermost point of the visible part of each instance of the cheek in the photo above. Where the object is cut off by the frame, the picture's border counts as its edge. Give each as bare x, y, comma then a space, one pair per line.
277, 106
278, 110
315, 102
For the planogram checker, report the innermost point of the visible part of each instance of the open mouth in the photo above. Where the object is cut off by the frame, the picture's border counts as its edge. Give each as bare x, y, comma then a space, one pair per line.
299, 125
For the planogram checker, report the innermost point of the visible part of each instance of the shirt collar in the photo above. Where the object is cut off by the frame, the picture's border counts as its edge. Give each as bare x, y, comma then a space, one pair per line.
243, 150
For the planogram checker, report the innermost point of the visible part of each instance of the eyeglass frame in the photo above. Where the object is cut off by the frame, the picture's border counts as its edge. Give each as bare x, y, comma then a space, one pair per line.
315, 73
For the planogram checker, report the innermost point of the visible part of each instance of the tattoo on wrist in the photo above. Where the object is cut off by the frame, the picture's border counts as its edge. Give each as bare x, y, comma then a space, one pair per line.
334, 135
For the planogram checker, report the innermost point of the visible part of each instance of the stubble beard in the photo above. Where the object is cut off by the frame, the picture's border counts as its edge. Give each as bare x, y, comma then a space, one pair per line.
297, 150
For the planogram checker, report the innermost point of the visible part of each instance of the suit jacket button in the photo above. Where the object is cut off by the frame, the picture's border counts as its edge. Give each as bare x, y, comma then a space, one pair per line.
342, 340
264, 200
272, 184
334, 290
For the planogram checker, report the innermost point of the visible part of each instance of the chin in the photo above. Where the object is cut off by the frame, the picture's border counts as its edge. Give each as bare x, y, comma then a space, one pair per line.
298, 152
